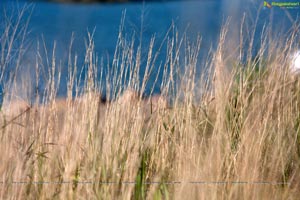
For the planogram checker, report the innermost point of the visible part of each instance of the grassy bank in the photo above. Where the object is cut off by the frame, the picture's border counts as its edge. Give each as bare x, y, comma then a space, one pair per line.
241, 140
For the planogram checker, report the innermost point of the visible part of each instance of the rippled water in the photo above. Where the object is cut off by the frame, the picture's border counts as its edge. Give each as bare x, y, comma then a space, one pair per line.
57, 22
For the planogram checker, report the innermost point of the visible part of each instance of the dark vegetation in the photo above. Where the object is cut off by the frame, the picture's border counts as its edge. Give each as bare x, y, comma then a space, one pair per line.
108, 1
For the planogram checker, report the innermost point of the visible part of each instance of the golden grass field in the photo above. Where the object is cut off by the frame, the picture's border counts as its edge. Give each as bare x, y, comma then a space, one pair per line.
241, 140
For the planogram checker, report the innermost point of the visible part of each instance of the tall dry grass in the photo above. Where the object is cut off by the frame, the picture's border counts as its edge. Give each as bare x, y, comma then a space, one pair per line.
240, 141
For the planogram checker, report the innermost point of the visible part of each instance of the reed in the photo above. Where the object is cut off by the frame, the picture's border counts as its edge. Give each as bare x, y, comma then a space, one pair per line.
241, 140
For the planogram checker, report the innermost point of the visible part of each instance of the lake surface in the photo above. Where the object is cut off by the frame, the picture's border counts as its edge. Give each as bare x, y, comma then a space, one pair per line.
57, 22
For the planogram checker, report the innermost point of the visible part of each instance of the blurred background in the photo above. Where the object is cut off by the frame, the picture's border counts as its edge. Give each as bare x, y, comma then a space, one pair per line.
58, 20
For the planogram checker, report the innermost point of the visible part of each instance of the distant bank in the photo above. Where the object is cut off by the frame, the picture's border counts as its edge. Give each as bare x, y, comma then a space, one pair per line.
109, 1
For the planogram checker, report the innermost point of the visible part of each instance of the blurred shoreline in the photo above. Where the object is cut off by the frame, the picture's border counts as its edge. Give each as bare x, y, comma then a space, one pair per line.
105, 1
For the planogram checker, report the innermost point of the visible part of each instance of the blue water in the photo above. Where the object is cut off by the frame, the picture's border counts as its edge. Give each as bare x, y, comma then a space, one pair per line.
57, 22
